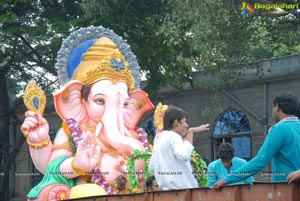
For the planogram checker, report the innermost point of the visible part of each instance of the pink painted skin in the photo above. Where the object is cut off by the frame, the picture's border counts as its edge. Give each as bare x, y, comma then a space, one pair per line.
38, 130
110, 109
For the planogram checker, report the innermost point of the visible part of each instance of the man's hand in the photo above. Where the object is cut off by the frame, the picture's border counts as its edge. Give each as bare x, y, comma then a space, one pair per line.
294, 176
190, 132
219, 184
203, 127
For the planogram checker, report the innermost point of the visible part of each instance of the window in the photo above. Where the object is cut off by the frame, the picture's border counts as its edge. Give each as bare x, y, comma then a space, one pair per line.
233, 126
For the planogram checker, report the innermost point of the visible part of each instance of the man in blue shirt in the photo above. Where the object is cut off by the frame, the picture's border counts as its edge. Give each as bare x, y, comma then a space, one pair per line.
225, 165
282, 144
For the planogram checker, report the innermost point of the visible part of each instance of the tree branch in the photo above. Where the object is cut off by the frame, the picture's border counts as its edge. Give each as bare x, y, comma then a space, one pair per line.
31, 48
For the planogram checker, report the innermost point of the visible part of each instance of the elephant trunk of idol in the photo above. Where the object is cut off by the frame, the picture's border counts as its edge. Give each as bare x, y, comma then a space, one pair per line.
114, 130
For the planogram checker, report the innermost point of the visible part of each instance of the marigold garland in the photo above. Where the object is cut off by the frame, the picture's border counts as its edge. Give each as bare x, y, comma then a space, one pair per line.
70, 126
66, 128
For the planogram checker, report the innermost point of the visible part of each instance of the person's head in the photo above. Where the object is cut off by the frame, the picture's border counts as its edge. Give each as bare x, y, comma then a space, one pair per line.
226, 153
151, 184
285, 104
175, 119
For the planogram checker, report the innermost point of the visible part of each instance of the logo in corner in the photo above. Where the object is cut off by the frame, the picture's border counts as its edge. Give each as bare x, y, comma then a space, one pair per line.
246, 8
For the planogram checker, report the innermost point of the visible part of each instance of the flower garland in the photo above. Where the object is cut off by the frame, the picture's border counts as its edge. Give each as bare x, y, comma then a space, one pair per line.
137, 179
98, 178
199, 169
142, 136
73, 132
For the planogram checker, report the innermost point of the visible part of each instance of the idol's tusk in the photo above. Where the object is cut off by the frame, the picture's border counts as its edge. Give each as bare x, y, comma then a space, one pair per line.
98, 128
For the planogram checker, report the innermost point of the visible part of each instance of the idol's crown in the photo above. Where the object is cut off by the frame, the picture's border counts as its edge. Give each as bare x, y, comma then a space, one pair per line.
103, 60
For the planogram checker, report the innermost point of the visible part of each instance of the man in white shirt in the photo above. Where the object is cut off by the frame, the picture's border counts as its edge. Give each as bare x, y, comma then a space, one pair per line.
170, 161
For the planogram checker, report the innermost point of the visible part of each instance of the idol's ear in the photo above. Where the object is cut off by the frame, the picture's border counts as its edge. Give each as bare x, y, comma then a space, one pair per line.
68, 101
138, 104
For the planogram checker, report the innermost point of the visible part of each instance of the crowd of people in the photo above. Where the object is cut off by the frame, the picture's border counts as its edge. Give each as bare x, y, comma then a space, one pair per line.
170, 161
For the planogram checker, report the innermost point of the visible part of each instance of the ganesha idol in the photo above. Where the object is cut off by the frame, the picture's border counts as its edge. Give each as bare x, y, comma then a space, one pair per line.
100, 105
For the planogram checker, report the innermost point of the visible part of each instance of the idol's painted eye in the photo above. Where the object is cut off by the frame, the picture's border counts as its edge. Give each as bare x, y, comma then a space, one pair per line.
99, 101
125, 104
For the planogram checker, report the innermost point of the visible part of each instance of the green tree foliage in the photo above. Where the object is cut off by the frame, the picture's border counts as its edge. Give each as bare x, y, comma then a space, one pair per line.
221, 41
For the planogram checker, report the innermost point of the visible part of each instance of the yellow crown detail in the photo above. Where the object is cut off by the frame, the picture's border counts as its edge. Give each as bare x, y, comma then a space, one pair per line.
104, 61
159, 116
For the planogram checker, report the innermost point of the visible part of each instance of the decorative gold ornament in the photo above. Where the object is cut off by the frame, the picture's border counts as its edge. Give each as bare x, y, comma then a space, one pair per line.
89, 128
66, 145
104, 61
39, 145
62, 196
141, 102
66, 95
77, 170
34, 98
120, 185
159, 116
25, 133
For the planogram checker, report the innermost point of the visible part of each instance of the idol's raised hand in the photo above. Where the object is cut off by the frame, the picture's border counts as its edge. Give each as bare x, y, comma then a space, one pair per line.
35, 127
87, 154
